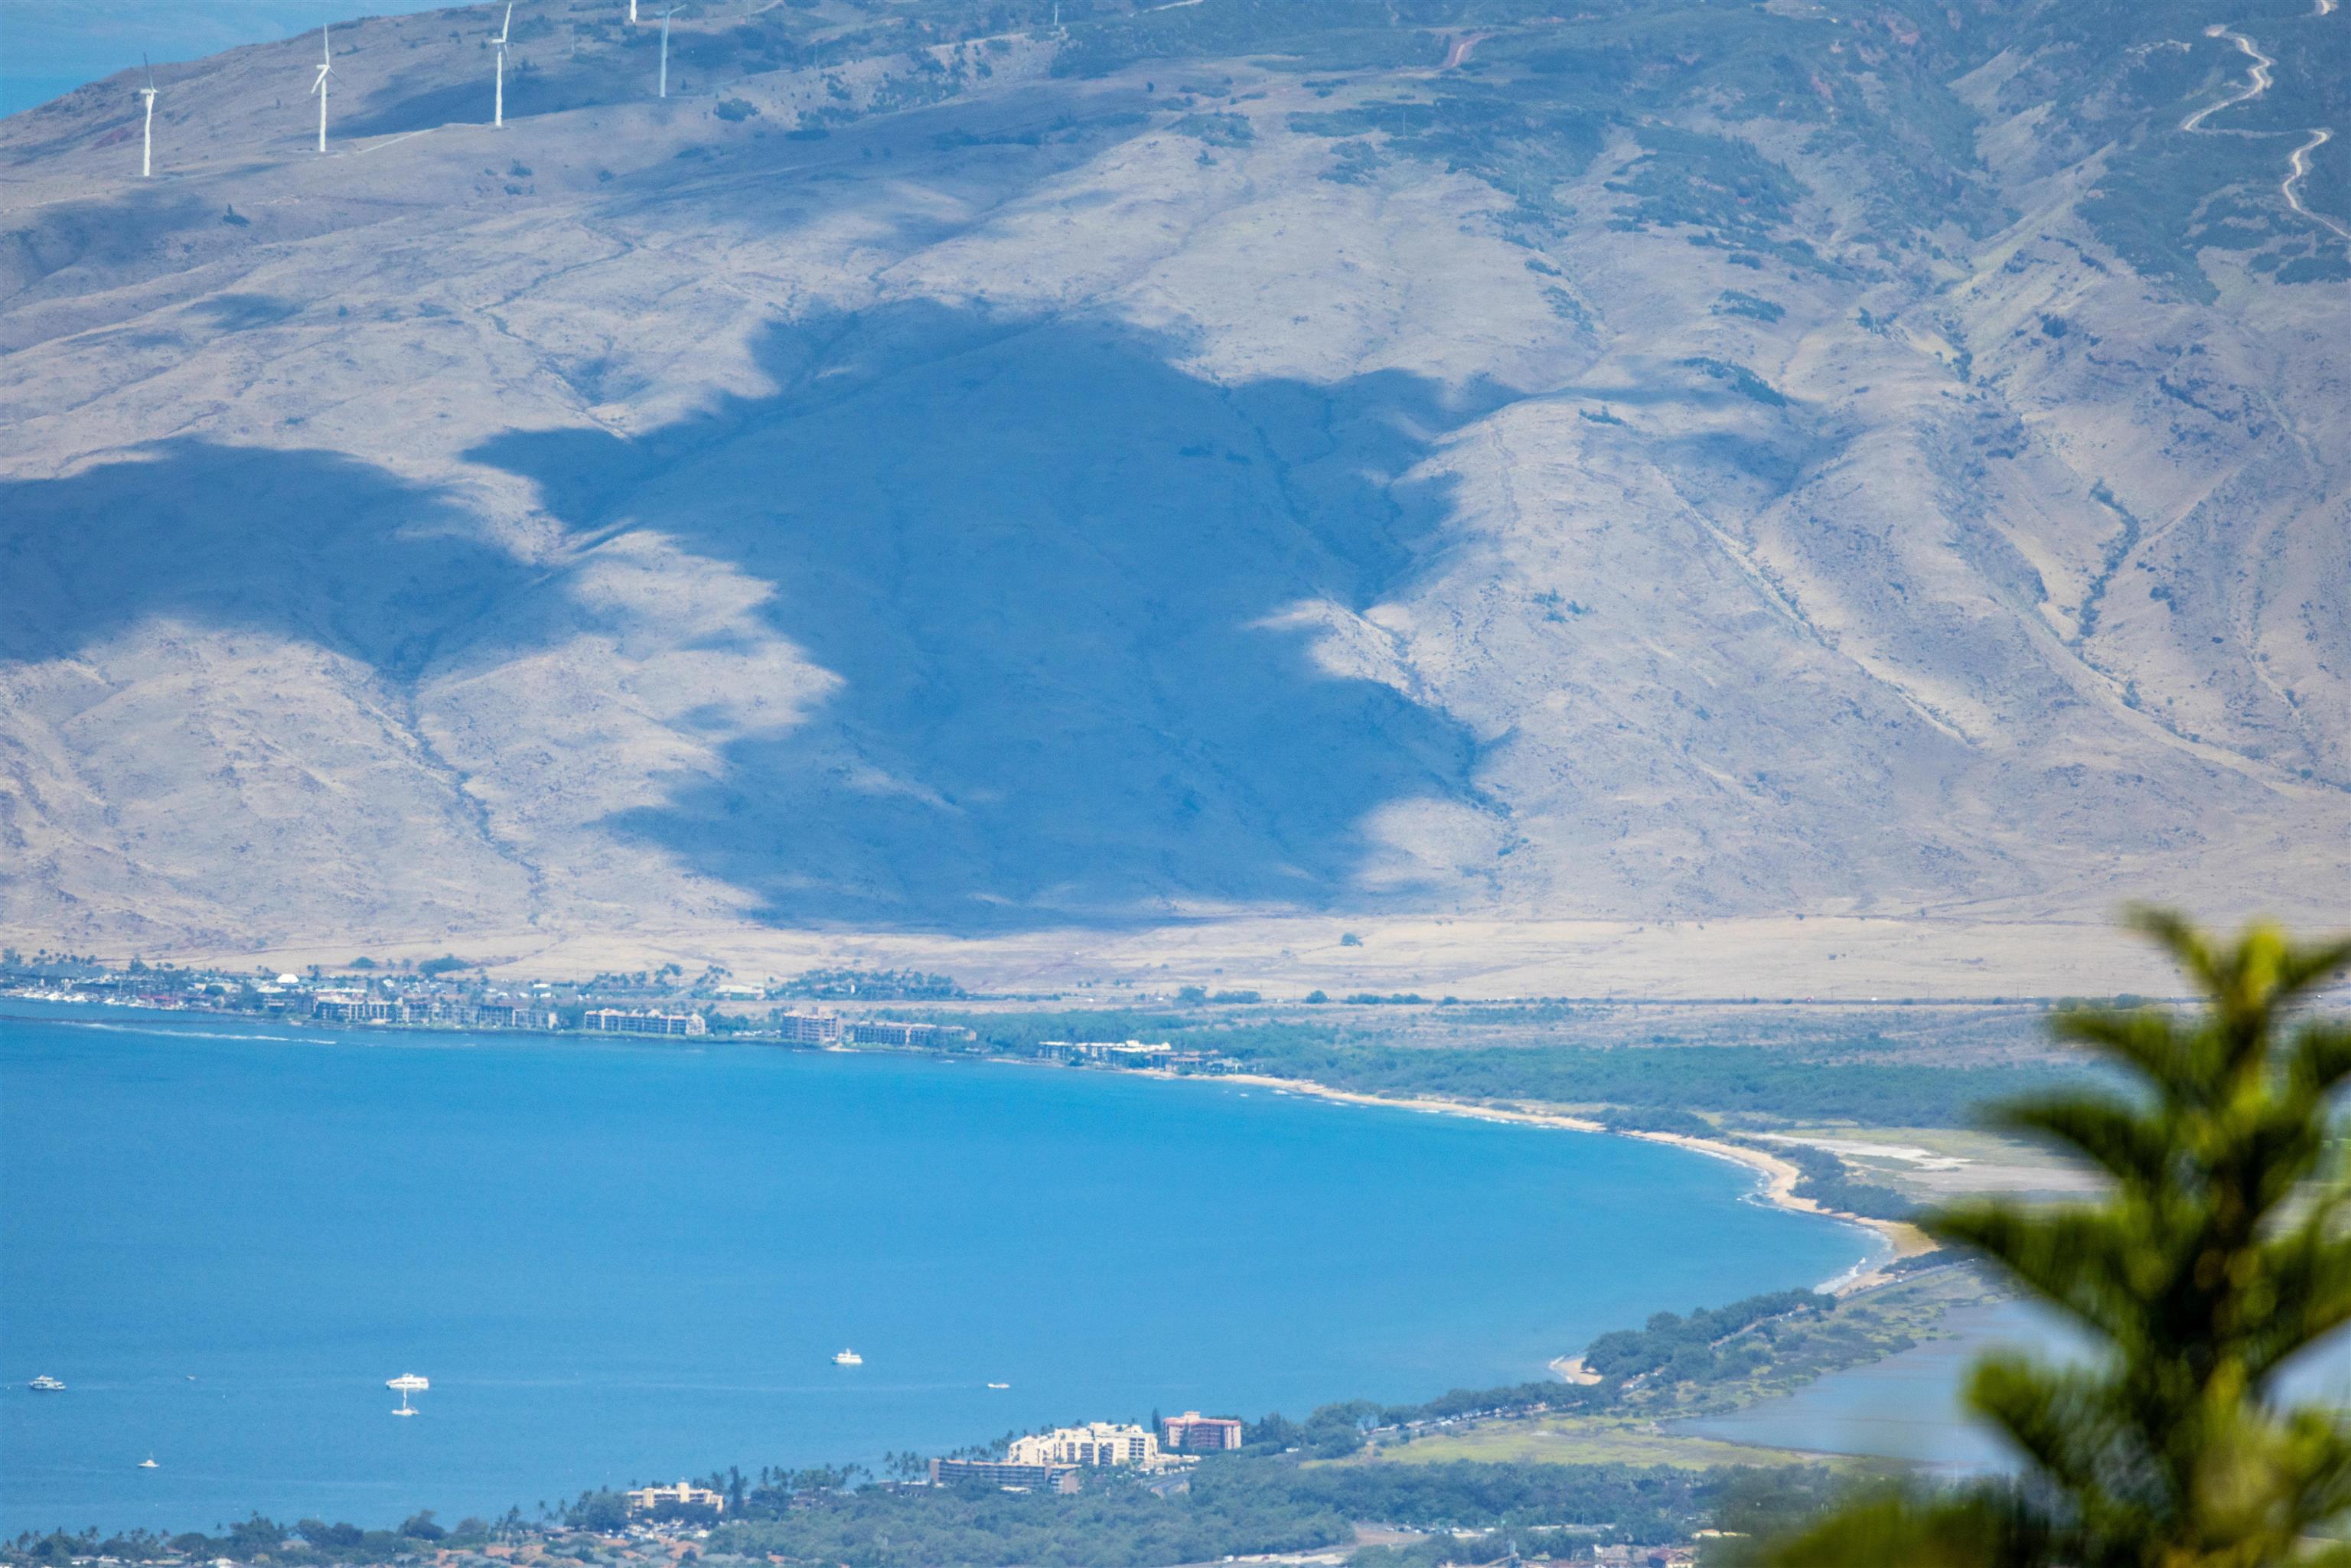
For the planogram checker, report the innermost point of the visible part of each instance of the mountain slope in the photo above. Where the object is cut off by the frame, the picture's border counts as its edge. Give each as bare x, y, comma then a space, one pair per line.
942, 478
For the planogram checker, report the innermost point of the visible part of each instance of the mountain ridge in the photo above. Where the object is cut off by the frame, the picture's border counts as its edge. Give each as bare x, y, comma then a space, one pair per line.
1118, 494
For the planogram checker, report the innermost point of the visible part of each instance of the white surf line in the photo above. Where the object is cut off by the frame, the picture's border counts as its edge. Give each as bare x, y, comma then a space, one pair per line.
2258, 81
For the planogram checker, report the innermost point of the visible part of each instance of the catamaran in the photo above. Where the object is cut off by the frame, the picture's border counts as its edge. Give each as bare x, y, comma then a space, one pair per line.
407, 1382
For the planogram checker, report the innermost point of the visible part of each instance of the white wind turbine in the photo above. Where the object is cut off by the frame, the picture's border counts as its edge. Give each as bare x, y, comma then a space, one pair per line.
326, 69
146, 148
632, 11
664, 72
498, 116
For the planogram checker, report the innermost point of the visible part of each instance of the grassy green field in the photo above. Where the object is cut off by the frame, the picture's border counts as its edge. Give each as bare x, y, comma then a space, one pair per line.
1583, 1440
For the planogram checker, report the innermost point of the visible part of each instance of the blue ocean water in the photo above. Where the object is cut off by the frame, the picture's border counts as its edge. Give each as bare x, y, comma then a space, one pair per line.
624, 1262
47, 51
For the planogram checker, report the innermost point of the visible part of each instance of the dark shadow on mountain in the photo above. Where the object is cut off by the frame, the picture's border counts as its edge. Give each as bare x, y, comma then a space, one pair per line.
1041, 558
397, 109
99, 234
585, 82
305, 544
242, 312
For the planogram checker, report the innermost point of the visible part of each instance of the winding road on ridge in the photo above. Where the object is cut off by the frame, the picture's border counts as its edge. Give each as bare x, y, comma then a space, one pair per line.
2258, 81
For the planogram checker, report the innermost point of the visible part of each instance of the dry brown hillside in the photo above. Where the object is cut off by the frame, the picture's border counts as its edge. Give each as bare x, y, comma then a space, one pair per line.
1612, 477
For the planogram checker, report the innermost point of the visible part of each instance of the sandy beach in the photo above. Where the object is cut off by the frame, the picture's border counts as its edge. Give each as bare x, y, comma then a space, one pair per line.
1776, 1177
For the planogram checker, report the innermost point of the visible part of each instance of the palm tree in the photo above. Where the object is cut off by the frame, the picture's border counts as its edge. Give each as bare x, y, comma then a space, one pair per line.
2220, 1249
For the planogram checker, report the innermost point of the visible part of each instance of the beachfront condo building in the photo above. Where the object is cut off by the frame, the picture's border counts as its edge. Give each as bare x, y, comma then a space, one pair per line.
1095, 1443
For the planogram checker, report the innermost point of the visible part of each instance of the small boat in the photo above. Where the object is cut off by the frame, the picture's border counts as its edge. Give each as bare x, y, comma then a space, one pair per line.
847, 1358
149, 1463
45, 1384
1000, 1386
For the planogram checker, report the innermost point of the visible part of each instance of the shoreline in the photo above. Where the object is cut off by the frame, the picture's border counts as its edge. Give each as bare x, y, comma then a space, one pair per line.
1776, 1179
1775, 1185
1775, 1176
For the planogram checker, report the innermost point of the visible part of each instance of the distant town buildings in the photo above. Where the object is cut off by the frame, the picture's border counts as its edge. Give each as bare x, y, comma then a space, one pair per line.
1194, 1433
885, 1031
808, 1028
1003, 1474
358, 1009
612, 1021
442, 994
1134, 1053
653, 1499
1126, 1053
345, 1007
510, 1015
831, 1029
1095, 1443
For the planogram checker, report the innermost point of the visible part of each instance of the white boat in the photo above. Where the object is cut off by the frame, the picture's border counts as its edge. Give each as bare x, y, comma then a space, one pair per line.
149, 1463
847, 1358
45, 1384
1000, 1386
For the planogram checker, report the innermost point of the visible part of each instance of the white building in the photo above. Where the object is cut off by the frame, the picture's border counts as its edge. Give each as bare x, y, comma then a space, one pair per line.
1095, 1443
612, 1021
648, 1499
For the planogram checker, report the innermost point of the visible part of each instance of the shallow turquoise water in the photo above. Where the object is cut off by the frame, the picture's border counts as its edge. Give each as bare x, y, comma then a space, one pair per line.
622, 1261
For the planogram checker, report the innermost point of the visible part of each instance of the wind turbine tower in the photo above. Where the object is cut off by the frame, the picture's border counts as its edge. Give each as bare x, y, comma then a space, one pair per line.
147, 147
633, 13
498, 115
664, 68
326, 69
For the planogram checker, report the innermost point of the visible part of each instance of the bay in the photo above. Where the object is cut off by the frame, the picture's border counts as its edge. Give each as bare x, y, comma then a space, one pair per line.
634, 1262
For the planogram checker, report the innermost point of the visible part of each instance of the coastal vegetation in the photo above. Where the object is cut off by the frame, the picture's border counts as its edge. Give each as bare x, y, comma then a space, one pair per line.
1235, 1505
1666, 1079
1686, 1347
2220, 1251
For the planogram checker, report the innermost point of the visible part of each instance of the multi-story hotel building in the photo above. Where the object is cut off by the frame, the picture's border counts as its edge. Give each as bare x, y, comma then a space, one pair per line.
1010, 1477
808, 1028
1195, 1433
612, 1020
649, 1499
1095, 1443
